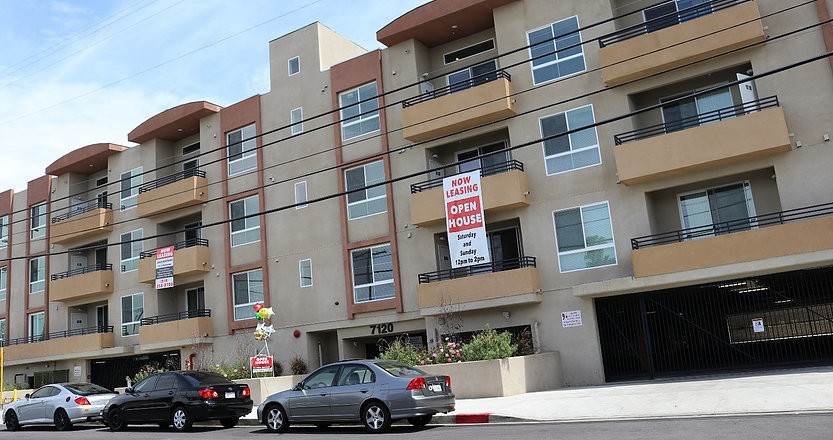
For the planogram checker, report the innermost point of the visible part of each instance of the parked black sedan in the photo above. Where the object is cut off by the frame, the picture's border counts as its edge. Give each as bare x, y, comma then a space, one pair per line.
178, 399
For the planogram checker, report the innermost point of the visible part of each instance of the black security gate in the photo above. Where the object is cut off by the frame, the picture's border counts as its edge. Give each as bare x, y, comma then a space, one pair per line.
112, 372
755, 323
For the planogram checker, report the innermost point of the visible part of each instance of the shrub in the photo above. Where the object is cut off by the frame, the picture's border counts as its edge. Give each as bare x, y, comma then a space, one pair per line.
447, 353
489, 344
401, 351
237, 370
298, 366
145, 371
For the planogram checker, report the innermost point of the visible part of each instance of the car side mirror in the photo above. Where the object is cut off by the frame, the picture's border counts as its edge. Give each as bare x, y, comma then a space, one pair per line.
298, 387
128, 390
27, 396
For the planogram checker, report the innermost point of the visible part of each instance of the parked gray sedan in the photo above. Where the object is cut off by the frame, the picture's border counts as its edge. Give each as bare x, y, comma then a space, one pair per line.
58, 404
374, 392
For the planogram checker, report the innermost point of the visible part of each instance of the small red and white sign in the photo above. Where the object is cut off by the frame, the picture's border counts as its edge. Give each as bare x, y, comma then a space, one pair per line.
262, 364
465, 224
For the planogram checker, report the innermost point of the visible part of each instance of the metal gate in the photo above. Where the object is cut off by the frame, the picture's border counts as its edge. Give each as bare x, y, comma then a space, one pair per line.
755, 323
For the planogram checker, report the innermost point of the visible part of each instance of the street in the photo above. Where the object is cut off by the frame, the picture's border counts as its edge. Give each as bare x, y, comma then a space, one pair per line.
782, 426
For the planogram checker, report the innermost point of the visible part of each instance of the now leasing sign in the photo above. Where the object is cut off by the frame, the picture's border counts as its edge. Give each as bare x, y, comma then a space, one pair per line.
165, 267
467, 241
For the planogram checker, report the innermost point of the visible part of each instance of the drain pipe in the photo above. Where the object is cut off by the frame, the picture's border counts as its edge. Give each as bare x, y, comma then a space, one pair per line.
826, 28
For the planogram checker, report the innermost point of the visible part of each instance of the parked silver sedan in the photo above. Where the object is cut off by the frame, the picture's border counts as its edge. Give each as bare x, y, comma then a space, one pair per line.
58, 404
374, 392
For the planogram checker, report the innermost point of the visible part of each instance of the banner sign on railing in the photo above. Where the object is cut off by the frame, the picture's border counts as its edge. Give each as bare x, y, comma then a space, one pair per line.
466, 226
165, 267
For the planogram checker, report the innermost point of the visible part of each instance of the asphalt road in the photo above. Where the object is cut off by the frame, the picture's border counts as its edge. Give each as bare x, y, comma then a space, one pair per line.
776, 427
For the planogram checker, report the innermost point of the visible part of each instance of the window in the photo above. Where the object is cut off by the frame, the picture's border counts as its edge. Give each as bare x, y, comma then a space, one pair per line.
3, 280
37, 220
585, 237
305, 272
195, 299
242, 149
294, 65
469, 51
719, 210
577, 150
244, 229
372, 273
296, 118
36, 321
301, 194
472, 76
190, 149
359, 111
129, 184
321, 378
559, 48
132, 310
4, 231
666, 15
490, 159
37, 274
692, 111
355, 375
247, 289
362, 201
130, 250
192, 164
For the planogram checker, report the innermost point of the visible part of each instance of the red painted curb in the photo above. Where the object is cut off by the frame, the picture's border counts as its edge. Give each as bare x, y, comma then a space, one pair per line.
472, 418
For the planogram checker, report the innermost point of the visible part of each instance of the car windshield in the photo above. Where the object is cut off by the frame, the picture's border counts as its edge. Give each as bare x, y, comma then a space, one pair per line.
86, 389
400, 370
207, 377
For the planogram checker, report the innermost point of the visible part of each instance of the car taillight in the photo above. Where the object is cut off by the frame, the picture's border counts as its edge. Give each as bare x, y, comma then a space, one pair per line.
246, 392
448, 382
208, 393
82, 400
416, 384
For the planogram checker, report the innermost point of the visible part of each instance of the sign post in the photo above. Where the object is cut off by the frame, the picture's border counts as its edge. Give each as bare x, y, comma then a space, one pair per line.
165, 267
466, 228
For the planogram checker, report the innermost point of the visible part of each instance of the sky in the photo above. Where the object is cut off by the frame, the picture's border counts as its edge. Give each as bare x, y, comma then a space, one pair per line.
80, 72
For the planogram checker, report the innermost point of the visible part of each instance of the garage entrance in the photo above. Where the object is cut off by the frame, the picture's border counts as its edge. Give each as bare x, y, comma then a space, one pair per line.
111, 372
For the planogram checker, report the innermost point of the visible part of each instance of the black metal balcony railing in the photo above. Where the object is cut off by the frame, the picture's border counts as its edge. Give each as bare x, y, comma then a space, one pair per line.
461, 272
81, 209
59, 335
484, 171
171, 317
776, 218
175, 177
456, 87
695, 121
81, 271
667, 20
191, 242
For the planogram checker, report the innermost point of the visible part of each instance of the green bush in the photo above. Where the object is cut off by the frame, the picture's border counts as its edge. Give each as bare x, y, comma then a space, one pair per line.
298, 366
489, 344
401, 351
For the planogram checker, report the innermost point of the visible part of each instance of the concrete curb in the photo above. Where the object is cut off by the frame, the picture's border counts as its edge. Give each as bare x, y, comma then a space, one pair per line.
442, 419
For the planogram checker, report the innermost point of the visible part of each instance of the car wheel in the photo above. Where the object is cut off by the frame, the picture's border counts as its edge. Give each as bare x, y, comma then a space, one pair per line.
115, 420
62, 422
230, 422
11, 421
180, 419
376, 417
275, 419
420, 421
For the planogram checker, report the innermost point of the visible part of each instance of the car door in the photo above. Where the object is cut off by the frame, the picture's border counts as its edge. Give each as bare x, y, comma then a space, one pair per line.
312, 401
161, 398
355, 384
137, 404
32, 410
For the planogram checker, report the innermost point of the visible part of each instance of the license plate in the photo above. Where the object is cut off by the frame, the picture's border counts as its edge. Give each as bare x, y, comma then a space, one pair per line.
229, 394
435, 387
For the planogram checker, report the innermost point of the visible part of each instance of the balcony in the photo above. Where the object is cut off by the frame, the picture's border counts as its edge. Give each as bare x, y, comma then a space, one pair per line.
82, 283
82, 222
679, 38
480, 100
191, 257
495, 284
176, 327
780, 234
723, 136
55, 345
179, 190
504, 187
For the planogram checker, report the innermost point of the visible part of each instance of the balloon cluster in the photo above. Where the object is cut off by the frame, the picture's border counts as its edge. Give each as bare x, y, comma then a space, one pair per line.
262, 332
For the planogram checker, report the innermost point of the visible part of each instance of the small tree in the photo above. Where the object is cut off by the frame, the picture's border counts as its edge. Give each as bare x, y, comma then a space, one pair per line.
489, 344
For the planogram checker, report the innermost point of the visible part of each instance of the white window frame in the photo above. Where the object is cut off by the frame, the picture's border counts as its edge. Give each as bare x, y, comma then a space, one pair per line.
136, 319
4, 274
245, 307
365, 192
558, 60
4, 231
750, 207
32, 317
304, 268
134, 179
38, 284
248, 227
37, 220
296, 118
571, 152
359, 118
248, 150
289, 70
375, 282
132, 263
586, 248
301, 194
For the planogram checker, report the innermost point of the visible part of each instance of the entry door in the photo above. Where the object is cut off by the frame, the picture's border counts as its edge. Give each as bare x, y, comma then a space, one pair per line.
101, 320
195, 299
101, 257
77, 262
192, 232
78, 321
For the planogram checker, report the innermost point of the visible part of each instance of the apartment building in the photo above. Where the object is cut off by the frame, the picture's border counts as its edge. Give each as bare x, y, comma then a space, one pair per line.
654, 179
